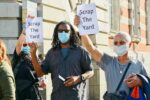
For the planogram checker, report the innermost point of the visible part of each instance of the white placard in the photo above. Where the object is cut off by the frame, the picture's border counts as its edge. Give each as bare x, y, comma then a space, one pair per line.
88, 19
34, 30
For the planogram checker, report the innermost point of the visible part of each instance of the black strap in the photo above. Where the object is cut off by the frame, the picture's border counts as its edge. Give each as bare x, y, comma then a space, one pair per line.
120, 83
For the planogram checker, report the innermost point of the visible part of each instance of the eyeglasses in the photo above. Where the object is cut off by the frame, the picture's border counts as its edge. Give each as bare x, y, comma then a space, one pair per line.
119, 42
67, 31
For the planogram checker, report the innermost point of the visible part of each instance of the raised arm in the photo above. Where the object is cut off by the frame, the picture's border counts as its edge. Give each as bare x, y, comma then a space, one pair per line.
96, 55
35, 62
20, 42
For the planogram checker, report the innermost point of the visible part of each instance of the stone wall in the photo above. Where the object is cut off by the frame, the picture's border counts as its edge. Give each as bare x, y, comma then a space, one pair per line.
52, 12
10, 18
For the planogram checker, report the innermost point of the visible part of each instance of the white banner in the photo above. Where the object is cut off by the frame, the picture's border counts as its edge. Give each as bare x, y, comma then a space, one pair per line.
88, 19
34, 30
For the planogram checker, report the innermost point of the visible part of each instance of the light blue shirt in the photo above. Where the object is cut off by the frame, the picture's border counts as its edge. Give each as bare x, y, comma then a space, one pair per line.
114, 71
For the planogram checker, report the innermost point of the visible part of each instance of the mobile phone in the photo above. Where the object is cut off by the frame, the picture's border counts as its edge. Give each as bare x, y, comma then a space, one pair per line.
60, 77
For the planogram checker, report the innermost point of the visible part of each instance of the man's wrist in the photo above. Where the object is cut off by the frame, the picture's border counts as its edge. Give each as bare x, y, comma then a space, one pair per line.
82, 78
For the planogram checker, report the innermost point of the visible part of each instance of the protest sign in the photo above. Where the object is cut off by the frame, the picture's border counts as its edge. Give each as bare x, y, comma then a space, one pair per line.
34, 30
88, 19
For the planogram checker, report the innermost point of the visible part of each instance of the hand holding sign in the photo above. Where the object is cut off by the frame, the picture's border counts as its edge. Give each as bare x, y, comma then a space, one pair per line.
76, 20
33, 48
88, 19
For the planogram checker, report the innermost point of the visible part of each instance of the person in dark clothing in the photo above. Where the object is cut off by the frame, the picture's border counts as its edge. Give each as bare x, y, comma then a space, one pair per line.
26, 79
68, 63
146, 85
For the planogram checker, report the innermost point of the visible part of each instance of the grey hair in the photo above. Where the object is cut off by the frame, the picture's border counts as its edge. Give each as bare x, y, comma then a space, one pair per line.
125, 35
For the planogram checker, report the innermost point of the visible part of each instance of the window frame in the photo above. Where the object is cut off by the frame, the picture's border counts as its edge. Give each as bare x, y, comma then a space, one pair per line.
148, 22
114, 20
136, 33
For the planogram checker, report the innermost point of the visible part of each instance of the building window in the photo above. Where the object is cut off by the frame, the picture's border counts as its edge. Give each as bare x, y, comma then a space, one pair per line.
148, 21
136, 33
114, 10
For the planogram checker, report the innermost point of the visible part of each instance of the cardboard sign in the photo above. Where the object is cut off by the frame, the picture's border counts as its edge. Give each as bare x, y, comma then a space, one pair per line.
34, 30
88, 19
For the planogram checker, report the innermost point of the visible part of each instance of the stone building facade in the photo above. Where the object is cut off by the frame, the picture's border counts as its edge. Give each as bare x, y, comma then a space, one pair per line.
131, 16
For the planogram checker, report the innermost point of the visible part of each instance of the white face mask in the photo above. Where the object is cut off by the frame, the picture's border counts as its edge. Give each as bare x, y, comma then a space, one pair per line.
121, 50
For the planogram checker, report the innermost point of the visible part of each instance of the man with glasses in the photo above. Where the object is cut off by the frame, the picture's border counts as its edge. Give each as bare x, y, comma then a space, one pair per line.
68, 63
114, 67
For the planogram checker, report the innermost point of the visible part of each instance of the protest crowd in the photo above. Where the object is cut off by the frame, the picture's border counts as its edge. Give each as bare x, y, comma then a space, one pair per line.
69, 61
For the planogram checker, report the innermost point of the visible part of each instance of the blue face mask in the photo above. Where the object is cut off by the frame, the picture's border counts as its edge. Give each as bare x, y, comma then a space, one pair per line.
63, 37
26, 50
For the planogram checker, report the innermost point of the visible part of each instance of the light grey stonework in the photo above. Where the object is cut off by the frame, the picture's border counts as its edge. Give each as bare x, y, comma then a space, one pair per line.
9, 28
52, 12
10, 23
10, 1
10, 44
10, 10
